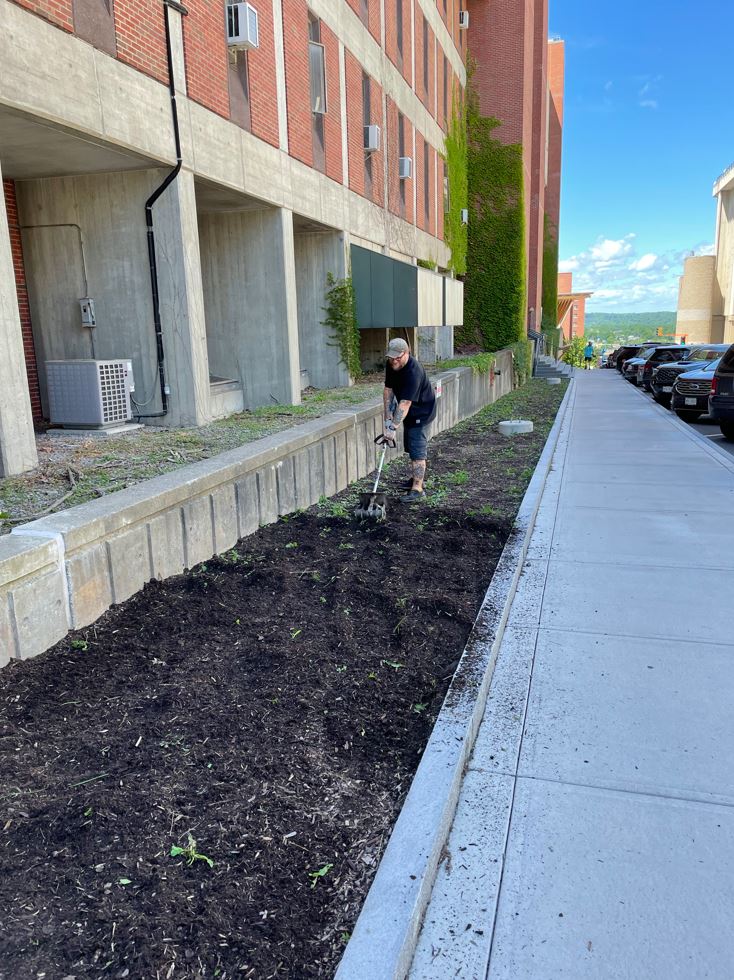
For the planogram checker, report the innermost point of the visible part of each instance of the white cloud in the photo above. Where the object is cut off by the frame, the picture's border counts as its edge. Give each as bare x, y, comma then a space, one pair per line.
568, 265
643, 264
607, 249
622, 280
608, 86
647, 95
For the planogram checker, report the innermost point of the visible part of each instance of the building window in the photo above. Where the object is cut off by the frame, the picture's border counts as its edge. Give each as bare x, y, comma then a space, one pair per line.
366, 112
399, 28
364, 11
239, 89
427, 183
317, 81
401, 153
425, 55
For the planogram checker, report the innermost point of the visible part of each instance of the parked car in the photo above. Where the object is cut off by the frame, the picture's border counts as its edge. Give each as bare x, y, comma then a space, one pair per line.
689, 398
612, 358
633, 350
721, 399
629, 368
663, 377
657, 356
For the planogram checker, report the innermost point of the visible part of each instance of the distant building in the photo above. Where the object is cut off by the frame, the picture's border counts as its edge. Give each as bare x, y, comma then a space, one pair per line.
706, 290
571, 309
519, 78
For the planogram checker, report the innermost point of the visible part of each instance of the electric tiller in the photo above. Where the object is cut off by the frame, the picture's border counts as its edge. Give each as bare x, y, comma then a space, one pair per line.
373, 505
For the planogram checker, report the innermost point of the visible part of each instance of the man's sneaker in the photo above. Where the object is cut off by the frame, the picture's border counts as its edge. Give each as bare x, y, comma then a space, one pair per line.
413, 496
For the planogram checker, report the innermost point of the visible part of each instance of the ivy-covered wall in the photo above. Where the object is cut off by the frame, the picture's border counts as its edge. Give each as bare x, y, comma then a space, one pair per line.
455, 232
549, 325
495, 288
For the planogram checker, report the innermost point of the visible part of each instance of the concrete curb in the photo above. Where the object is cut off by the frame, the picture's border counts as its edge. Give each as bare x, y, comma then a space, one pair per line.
386, 933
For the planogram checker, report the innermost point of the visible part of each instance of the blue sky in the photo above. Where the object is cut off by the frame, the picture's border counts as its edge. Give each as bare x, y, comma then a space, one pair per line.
648, 127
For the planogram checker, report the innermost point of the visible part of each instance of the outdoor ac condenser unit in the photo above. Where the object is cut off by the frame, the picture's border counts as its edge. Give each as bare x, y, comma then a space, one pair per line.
89, 394
372, 138
242, 26
405, 168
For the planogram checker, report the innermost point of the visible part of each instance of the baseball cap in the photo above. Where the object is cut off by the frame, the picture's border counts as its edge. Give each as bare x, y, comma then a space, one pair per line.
396, 347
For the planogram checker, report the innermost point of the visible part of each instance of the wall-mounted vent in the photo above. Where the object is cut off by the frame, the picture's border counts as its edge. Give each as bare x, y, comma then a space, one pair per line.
464, 19
87, 394
242, 26
371, 138
405, 168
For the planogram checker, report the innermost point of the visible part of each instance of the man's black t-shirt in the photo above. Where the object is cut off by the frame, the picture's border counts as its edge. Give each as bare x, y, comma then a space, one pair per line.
411, 384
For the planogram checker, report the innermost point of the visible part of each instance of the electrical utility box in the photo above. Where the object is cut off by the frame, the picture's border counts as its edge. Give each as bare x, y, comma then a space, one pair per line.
87, 394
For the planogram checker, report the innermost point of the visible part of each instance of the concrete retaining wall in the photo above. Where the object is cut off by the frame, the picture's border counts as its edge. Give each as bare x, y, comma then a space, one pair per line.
62, 572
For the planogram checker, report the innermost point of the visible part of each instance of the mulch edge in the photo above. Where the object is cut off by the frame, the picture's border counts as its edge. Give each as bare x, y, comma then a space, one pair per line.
384, 938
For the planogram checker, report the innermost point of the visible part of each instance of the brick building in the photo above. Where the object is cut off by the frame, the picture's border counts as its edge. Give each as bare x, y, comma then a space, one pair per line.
571, 309
519, 77
255, 169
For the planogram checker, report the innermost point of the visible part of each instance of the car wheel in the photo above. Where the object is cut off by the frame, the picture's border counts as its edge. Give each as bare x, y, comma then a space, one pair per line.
662, 400
688, 416
727, 430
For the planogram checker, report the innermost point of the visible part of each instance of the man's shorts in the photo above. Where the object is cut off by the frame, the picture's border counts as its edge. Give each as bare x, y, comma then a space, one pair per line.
415, 438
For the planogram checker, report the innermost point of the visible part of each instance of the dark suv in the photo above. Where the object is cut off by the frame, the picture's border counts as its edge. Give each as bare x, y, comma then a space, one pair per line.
663, 379
657, 356
631, 350
721, 399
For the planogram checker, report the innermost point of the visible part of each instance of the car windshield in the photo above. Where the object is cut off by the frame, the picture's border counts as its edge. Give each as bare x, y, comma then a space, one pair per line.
703, 354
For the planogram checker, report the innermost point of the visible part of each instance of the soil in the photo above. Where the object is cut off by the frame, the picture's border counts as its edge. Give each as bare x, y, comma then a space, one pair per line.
265, 713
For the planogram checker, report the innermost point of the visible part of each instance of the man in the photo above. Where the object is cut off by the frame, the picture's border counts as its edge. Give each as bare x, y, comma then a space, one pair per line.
409, 400
588, 354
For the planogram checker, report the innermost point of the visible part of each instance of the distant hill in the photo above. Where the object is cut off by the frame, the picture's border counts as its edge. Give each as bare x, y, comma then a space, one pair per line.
616, 327
621, 321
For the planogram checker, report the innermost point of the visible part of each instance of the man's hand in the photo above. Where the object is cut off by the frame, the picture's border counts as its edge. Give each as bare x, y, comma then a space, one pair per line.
388, 430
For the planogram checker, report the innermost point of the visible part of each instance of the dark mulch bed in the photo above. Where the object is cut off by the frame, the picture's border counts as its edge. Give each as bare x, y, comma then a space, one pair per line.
271, 705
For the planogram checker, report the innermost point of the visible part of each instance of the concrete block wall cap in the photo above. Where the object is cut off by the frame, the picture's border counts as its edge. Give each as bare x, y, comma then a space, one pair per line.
553, 381
385, 935
20, 557
83, 525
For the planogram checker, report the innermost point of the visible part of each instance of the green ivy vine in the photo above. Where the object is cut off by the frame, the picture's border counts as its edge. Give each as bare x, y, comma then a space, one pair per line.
495, 292
454, 231
341, 319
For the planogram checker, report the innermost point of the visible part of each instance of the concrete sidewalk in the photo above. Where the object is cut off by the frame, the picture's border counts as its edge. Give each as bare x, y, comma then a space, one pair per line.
594, 836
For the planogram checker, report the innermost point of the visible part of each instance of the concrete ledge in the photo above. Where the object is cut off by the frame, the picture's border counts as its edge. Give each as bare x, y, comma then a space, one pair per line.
64, 571
384, 938
33, 604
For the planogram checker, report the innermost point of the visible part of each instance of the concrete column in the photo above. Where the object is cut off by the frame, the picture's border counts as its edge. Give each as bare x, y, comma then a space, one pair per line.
317, 255
182, 303
17, 442
249, 275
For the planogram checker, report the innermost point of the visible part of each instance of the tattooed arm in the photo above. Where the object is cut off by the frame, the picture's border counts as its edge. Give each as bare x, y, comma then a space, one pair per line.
386, 397
400, 412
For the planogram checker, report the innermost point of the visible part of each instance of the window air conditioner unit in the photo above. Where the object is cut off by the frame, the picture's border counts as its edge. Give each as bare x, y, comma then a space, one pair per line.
465, 216
242, 26
405, 168
372, 138
89, 394
463, 19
